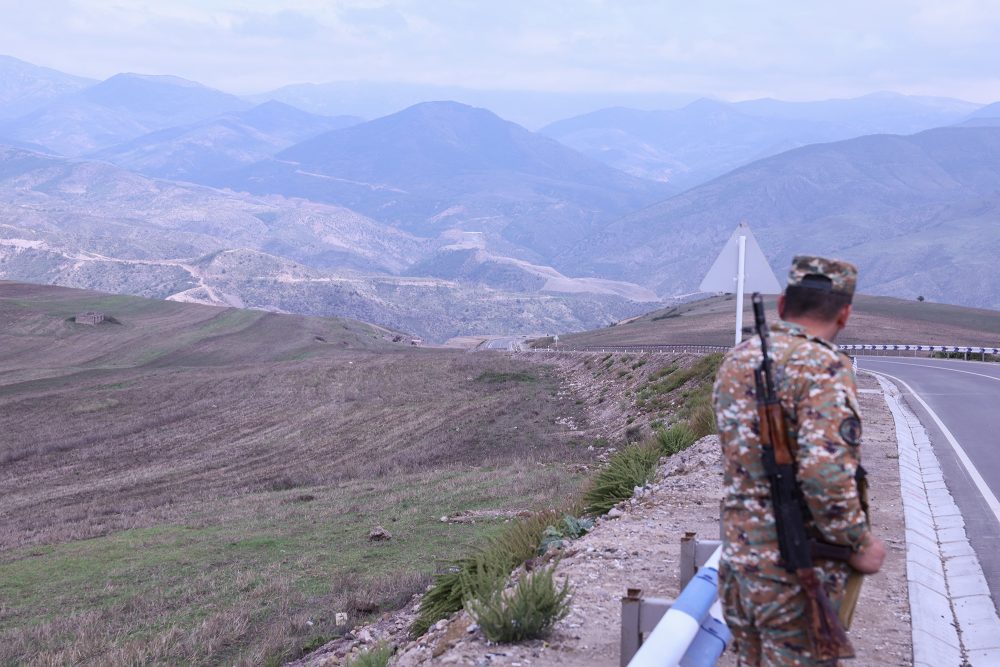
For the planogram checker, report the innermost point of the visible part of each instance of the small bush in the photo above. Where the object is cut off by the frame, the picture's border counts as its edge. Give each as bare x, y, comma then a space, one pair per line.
627, 469
570, 528
496, 377
702, 420
675, 439
373, 657
528, 611
472, 575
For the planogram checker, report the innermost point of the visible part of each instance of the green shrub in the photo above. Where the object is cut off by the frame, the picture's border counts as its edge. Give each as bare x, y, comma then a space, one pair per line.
702, 420
570, 528
528, 611
471, 576
675, 439
627, 469
497, 377
372, 657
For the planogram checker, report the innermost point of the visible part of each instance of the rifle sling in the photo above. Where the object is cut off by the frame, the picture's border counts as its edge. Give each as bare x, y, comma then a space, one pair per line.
828, 551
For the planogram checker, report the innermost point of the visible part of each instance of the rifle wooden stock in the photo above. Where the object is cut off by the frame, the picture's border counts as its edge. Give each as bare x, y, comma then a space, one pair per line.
829, 640
774, 432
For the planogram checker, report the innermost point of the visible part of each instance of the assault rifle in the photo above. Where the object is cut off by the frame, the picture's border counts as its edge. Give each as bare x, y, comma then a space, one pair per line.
827, 635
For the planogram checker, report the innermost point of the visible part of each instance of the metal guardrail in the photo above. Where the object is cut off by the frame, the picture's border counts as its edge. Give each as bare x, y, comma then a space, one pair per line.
854, 347
923, 348
641, 615
636, 349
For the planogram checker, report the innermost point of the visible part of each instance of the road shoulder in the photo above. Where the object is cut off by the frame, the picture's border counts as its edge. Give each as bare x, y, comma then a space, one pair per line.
954, 620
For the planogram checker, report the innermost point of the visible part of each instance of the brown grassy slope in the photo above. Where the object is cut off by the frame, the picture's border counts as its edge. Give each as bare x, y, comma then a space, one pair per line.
196, 485
35, 323
876, 319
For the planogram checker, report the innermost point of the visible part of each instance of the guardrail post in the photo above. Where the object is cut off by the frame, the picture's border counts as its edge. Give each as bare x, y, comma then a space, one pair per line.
688, 565
631, 636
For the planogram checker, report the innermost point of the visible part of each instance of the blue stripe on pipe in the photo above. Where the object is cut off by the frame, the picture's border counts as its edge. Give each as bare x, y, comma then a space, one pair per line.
708, 645
698, 596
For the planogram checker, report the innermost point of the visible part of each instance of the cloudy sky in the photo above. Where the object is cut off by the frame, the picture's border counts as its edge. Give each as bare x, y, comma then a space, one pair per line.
733, 49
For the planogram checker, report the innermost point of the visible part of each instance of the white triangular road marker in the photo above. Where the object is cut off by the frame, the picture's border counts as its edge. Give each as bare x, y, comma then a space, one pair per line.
740, 268
758, 276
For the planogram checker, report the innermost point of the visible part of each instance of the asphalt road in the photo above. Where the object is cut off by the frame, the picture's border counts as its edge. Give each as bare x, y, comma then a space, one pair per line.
965, 396
512, 343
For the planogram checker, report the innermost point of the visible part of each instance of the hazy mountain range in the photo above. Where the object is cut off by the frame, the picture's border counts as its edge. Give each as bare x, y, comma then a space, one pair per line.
91, 224
444, 218
918, 214
707, 138
25, 87
443, 165
201, 151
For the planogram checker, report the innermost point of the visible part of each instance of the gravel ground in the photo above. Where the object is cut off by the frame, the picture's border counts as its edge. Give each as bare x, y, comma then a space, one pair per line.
641, 549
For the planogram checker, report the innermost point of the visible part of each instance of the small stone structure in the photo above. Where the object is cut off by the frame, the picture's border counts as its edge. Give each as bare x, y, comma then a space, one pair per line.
90, 317
379, 534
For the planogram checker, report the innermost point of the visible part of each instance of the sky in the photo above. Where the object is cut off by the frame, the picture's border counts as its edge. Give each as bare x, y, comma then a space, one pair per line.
730, 49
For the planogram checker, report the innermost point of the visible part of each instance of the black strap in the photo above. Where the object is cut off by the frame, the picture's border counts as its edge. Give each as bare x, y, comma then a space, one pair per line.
829, 551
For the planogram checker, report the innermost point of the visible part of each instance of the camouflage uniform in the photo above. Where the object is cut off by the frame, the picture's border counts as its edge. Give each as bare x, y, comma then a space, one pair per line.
764, 606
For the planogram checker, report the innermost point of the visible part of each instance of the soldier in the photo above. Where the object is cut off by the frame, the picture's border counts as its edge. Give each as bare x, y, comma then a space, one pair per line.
764, 605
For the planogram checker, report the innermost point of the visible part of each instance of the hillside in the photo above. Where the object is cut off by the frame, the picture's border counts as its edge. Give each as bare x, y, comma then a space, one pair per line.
915, 212
876, 319
121, 108
199, 151
25, 87
211, 475
443, 165
707, 138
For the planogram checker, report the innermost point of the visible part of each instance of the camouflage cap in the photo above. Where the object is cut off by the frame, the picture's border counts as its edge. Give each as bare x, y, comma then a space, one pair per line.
842, 276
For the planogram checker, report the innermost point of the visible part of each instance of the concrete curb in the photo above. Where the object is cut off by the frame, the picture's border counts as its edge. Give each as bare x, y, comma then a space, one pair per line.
953, 616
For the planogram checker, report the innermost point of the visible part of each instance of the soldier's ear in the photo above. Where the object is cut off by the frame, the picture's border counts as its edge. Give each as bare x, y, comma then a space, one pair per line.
843, 316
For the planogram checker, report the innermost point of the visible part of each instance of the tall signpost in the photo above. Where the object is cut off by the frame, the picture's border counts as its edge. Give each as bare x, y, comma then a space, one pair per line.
740, 268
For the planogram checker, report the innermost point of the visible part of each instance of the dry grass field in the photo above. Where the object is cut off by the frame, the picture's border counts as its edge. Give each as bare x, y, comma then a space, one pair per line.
876, 319
193, 485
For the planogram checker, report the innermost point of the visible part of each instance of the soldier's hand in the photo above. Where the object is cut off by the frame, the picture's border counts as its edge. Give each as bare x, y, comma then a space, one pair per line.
869, 560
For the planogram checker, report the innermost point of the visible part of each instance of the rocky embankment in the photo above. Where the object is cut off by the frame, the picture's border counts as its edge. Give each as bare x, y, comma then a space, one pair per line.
638, 546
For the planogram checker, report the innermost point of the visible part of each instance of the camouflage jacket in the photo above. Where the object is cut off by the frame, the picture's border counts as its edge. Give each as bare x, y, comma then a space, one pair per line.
816, 385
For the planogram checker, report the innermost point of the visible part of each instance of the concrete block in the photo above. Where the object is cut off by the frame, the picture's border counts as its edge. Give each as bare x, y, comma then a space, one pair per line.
929, 649
917, 539
962, 566
968, 584
952, 534
977, 619
920, 574
917, 513
984, 658
931, 611
956, 550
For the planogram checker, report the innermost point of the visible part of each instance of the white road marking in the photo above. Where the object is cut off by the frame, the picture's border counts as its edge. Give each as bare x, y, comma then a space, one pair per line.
970, 468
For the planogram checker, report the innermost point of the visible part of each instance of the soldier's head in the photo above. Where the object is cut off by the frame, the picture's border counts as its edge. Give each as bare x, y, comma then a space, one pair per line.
819, 293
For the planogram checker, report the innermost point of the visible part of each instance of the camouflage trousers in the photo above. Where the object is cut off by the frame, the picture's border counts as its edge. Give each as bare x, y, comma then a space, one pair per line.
767, 616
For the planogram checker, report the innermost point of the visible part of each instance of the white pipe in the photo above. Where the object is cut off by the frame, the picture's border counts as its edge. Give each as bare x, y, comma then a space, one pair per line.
670, 639
740, 281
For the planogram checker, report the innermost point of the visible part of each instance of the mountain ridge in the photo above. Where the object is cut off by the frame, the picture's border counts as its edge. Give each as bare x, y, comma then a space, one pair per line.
913, 211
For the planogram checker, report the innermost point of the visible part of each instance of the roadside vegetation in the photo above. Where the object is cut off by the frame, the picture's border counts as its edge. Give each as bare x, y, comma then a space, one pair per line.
528, 611
479, 583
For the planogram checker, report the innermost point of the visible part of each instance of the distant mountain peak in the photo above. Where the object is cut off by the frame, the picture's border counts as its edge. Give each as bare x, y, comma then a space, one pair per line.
167, 79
